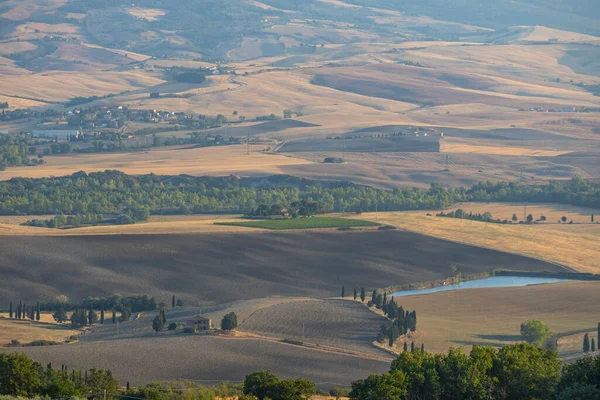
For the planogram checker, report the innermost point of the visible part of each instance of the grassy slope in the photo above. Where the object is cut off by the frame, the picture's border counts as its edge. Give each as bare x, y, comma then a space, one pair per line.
493, 316
571, 245
27, 331
303, 223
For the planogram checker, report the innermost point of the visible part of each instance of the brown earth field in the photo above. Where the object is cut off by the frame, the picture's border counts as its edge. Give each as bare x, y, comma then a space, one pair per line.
217, 268
492, 316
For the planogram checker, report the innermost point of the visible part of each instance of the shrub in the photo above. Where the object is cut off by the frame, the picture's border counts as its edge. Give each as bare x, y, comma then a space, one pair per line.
172, 326
189, 330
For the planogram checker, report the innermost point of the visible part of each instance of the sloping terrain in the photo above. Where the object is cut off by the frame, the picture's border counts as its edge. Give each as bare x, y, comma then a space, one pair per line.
218, 268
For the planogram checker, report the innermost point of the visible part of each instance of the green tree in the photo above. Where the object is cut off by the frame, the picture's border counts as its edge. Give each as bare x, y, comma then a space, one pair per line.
99, 381
515, 218
405, 348
157, 324
421, 375
535, 332
37, 312
390, 386
92, 317
19, 375
102, 314
586, 343
260, 384
524, 371
229, 322
593, 345
585, 370
179, 303
355, 295
60, 315
173, 302
362, 295
563, 218
10, 310
114, 316
580, 391
529, 218
343, 292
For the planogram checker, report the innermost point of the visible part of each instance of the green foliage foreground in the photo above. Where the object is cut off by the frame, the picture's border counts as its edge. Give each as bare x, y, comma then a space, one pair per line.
514, 372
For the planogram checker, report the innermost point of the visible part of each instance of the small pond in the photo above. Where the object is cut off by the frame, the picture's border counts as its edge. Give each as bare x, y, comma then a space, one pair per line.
491, 282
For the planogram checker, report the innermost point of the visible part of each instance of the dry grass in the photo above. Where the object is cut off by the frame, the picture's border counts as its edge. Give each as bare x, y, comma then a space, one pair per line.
461, 318
571, 245
456, 146
26, 331
553, 212
149, 14
216, 161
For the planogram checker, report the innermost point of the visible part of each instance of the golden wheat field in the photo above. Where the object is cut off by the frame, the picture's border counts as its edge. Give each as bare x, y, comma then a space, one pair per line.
217, 161
574, 245
26, 331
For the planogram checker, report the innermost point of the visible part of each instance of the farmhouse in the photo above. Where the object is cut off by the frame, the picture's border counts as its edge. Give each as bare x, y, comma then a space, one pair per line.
199, 323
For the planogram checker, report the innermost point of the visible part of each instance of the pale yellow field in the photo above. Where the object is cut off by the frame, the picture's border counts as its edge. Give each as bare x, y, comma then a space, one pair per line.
575, 246
450, 146
224, 160
27, 331
553, 212
461, 318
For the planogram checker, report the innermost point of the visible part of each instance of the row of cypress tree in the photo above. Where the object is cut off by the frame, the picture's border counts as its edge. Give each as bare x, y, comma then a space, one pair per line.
24, 311
590, 345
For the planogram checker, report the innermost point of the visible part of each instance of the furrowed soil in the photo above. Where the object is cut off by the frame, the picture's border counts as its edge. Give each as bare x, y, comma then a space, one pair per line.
218, 268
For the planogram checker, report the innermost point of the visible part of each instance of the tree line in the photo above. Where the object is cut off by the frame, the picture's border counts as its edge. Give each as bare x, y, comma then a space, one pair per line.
514, 372
113, 192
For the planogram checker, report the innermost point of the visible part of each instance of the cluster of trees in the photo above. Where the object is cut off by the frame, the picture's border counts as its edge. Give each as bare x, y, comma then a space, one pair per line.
159, 321
537, 333
229, 322
116, 192
16, 151
520, 371
302, 208
24, 311
61, 220
460, 214
264, 385
587, 346
21, 376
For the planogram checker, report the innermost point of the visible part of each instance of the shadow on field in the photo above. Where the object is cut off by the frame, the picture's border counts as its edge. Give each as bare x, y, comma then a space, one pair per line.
501, 338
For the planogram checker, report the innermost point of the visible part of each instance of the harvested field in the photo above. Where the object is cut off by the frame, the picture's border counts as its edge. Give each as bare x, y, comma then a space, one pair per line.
396, 144
344, 324
218, 268
214, 161
493, 316
26, 331
303, 223
551, 242
149, 359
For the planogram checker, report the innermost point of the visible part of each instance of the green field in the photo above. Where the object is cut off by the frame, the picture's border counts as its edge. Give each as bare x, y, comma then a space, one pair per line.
302, 223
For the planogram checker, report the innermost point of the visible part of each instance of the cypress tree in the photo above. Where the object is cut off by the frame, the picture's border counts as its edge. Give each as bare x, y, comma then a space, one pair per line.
586, 343
114, 317
405, 347
412, 347
128, 386
10, 311
422, 347
362, 295
593, 345
102, 314
598, 334
173, 302
19, 311
374, 297
37, 312
343, 292
384, 299
355, 295
392, 334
